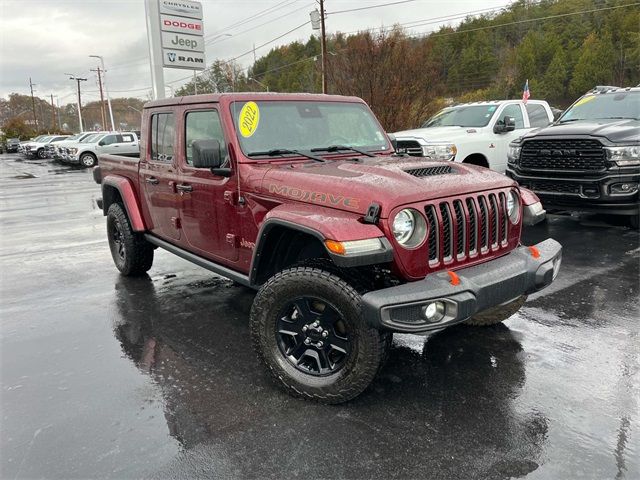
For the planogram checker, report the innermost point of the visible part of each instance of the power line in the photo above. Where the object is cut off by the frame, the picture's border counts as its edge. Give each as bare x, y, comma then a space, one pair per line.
262, 13
370, 7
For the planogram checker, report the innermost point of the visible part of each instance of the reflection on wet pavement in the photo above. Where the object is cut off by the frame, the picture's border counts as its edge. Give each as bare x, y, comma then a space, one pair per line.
154, 377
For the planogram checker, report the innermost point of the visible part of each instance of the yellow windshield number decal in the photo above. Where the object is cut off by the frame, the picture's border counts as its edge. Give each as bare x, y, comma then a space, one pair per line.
249, 119
584, 100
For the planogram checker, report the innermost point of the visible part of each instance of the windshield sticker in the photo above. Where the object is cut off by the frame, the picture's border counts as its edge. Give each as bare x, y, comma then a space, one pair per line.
584, 100
249, 119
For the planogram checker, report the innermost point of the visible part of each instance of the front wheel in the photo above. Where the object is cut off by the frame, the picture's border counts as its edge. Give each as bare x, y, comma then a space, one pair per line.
41, 154
307, 329
131, 253
88, 160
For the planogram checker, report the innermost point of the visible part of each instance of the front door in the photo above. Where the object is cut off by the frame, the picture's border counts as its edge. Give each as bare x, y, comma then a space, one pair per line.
208, 208
502, 140
158, 176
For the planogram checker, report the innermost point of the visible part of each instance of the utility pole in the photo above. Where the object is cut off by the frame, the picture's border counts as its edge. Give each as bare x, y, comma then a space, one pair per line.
106, 90
324, 48
102, 112
33, 103
59, 116
53, 114
79, 100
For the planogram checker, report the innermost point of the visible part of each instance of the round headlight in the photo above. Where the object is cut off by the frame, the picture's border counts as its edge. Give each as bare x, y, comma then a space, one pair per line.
513, 206
409, 228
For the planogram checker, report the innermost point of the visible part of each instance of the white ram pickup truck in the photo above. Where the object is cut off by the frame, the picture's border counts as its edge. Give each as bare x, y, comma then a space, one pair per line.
478, 133
86, 153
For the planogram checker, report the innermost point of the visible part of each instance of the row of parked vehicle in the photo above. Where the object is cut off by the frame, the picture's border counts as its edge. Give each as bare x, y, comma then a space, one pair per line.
81, 149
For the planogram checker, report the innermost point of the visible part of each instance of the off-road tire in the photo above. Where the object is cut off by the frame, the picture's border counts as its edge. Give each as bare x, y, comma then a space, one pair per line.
88, 160
496, 315
368, 344
137, 255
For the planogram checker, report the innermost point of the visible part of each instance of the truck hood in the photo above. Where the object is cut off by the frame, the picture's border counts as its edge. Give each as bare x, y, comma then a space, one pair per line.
352, 185
616, 131
437, 134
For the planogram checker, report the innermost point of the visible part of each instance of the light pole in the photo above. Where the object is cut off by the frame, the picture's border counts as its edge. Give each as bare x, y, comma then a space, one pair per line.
106, 90
134, 108
78, 80
259, 83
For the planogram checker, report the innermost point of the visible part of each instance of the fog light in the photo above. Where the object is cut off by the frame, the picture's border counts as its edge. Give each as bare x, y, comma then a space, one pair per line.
433, 312
624, 188
556, 266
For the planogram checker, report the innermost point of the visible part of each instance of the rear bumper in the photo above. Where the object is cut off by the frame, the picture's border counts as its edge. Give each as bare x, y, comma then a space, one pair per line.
480, 287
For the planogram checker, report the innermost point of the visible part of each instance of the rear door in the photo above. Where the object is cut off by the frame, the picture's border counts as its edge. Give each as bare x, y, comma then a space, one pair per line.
207, 208
158, 175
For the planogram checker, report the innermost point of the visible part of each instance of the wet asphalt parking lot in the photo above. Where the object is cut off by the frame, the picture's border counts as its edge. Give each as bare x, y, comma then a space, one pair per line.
108, 377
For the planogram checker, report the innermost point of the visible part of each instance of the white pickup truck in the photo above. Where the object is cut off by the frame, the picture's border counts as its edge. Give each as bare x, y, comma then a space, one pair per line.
478, 133
86, 152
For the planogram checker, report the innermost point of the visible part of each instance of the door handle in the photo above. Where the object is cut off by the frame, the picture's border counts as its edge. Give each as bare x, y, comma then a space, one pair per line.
152, 180
182, 187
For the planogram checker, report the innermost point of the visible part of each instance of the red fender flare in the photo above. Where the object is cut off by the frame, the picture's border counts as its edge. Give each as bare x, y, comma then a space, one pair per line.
130, 199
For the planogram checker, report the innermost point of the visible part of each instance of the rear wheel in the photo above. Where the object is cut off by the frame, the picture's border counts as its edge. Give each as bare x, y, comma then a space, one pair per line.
131, 253
88, 160
308, 330
497, 314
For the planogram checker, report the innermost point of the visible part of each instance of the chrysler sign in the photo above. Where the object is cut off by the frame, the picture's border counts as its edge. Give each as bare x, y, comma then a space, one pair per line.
181, 8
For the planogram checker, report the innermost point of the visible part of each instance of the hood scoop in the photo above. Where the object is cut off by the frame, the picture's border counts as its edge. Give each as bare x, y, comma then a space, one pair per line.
430, 171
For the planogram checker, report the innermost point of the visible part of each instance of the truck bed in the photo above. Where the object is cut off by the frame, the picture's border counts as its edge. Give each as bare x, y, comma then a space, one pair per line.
126, 165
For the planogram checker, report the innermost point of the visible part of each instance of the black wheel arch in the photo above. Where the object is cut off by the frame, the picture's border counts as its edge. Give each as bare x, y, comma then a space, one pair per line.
281, 244
110, 195
477, 159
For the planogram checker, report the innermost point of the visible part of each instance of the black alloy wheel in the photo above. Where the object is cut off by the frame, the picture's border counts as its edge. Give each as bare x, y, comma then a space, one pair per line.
313, 336
117, 240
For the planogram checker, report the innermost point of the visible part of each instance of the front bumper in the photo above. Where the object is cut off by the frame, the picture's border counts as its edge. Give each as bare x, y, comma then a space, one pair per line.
523, 271
584, 194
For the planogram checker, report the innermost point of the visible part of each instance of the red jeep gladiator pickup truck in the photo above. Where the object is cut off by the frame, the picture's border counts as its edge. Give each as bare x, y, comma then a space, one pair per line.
302, 198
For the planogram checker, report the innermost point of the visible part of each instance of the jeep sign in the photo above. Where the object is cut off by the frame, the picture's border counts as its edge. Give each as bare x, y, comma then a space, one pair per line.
181, 59
177, 41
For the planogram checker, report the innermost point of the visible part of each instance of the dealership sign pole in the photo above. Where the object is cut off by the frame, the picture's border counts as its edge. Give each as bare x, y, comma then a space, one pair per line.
176, 38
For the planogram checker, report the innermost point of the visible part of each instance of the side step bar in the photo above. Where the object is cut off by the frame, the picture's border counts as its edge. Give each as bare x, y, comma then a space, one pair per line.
201, 262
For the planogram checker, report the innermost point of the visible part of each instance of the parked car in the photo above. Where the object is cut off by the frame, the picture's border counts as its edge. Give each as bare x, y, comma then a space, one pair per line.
86, 153
57, 150
37, 149
11, 145
302, 198
588, 160
477, 133
23, 144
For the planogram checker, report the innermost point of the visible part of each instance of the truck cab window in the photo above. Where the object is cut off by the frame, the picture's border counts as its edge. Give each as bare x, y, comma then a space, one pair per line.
203, 125
162, 137
109, 139
537, 115
516, 112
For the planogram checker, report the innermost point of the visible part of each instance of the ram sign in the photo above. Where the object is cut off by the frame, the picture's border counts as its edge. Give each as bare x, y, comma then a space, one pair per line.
182, 33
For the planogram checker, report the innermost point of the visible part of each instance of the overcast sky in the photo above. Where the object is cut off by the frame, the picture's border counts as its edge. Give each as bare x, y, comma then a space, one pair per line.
44, 39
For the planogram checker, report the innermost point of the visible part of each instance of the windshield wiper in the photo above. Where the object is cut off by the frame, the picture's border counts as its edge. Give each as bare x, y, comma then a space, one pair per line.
570, 120
337, 148
284, 151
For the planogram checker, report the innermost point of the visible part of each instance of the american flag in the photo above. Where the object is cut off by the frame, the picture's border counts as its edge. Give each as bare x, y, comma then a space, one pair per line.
525, 93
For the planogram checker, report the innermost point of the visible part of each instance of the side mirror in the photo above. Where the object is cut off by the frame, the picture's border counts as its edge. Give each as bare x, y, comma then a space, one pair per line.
101, 143
206, 154
394, 141
507, 124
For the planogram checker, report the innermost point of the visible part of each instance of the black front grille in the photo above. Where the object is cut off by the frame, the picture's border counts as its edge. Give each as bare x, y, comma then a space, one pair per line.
410, 147
553, 187
430, 171
460, 228
569, 154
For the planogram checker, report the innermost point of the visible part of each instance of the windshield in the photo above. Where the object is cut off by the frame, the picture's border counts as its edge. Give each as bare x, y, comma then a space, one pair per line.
44, 139
462, 116
91, 138
604, 106
304, 125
